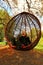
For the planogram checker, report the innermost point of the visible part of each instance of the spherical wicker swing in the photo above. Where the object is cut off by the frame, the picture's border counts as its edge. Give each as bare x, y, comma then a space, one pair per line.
23, 31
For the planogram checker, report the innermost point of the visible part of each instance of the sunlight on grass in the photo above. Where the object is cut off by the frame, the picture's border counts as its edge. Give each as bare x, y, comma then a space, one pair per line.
2, 43
40, 44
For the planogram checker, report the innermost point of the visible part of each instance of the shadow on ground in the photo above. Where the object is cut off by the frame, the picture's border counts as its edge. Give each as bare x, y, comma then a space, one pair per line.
9, 56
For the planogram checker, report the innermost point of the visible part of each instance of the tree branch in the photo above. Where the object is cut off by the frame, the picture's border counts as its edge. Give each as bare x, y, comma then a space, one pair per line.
28, 4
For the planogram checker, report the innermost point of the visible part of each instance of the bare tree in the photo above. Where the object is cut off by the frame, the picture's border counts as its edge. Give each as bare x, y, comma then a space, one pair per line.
9, 3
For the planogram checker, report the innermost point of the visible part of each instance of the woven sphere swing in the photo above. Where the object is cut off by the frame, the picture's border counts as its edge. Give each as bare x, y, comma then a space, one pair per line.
23, 31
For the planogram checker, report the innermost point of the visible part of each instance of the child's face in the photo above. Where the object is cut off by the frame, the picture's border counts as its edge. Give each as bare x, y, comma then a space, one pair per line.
23, 33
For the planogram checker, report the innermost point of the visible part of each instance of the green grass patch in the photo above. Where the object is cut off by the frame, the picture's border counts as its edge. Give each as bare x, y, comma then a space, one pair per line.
40, 44
2, 43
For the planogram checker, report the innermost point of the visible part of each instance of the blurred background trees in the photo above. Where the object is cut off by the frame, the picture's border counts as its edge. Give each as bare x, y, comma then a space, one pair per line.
9, 8
4, 19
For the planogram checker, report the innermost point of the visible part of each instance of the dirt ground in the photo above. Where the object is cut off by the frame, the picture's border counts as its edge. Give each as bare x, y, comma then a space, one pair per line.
10, 56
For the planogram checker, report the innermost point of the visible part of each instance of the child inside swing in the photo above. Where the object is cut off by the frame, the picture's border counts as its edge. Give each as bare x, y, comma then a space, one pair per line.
24, 39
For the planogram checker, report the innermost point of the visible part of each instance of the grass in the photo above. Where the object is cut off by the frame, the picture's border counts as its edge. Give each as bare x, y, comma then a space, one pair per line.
2, 43
39, 46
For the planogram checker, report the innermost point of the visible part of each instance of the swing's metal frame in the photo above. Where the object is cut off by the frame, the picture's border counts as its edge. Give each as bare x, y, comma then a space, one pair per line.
32, 45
